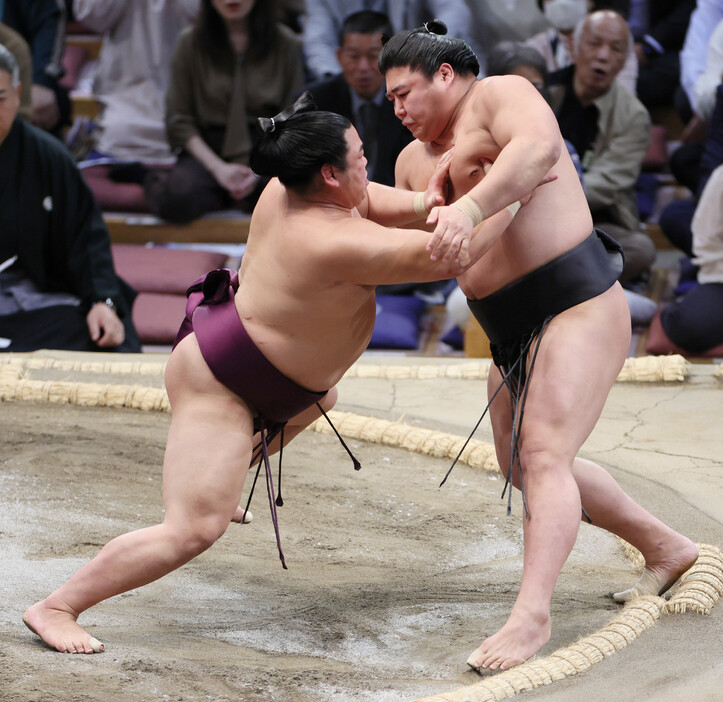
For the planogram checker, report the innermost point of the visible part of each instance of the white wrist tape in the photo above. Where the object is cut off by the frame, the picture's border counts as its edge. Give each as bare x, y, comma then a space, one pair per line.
467, 205
514, 207
419, 209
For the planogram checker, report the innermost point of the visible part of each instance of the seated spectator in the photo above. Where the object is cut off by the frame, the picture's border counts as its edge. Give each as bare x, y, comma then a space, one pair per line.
58, 287
516, 58
659, 28
695, 321
131, 79
42, 24
676, 219
685, 160
323, 20
694, 54
494, 22
236, 65
555, 43
19, 48
610, 129
358, 93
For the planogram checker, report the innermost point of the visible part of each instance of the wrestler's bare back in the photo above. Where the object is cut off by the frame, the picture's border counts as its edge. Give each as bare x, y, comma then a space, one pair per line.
308, 276
553, 221
309, 323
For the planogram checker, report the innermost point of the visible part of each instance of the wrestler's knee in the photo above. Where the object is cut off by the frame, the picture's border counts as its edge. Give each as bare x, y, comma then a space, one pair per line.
543, 460
197, 535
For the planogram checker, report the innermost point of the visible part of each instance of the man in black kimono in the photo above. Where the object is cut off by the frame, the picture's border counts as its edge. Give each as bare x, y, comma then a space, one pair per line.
58, 287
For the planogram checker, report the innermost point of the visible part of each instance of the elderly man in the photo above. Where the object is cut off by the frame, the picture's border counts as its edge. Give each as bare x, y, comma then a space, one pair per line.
610, 129
58, 288
546, 293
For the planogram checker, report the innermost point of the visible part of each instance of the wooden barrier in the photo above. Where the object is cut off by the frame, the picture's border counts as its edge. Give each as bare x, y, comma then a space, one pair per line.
143, 229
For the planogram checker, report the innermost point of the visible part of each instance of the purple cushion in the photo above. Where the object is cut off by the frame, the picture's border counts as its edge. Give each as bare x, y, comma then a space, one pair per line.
398, 322
157, 317
161, 270
112, 196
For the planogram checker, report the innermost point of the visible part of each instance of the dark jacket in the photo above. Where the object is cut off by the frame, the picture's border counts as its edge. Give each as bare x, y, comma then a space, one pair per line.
334, 95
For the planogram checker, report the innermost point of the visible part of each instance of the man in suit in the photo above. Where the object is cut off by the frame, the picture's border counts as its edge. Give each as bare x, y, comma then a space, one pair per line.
323, 20
357, 93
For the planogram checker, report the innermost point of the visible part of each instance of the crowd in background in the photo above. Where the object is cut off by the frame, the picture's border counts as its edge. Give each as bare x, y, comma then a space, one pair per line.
635, 84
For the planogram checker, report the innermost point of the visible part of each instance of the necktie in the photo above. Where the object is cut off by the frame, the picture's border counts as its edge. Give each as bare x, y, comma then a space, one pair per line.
369, 115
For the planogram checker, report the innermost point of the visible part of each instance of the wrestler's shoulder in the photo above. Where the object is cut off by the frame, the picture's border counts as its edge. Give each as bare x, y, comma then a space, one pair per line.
492, 87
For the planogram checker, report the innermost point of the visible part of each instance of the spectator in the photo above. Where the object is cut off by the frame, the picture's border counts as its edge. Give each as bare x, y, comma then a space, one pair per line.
324, 18
676, 219
516, 58
685, 160
610, 129
58, 288
236, 65
659, 28
695, 321
133, 70
19, 48
358, 93
42, 24
494, 22
694, 55
555, 43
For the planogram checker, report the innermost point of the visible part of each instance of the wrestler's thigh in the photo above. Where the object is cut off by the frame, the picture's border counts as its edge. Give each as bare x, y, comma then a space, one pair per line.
581, 354
500, 413
209, 441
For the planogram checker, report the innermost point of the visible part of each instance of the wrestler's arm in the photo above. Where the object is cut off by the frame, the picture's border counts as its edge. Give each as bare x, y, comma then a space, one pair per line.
398, 206
524, 126
364, 253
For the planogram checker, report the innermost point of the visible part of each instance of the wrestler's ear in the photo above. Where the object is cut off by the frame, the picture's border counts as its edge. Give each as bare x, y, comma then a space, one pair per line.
446, 72
328, 175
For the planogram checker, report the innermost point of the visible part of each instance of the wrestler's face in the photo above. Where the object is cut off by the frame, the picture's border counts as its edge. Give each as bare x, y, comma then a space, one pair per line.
354, 177
358, 60
9, 103
418, 100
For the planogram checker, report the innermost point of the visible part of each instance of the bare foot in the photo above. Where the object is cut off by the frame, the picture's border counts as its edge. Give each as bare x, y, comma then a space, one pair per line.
660, 575
59, 629
520, 637
241, 517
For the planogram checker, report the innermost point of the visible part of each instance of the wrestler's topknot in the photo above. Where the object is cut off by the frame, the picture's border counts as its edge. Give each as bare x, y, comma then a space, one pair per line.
298, 141
425, 49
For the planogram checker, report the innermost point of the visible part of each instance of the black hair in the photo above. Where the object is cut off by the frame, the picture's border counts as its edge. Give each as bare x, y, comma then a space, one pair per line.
364, 22
297, 142
425, 49
505, 56
212, 33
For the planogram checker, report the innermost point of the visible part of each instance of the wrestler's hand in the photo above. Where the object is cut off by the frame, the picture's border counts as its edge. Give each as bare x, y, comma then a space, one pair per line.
438, 187
452, 232
238, 179
105, 328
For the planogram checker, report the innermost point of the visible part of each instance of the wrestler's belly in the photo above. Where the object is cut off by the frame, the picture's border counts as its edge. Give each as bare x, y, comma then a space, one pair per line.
529, 242
315, 347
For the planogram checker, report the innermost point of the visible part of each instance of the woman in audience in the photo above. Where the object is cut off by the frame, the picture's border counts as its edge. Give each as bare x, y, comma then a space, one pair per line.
236, 65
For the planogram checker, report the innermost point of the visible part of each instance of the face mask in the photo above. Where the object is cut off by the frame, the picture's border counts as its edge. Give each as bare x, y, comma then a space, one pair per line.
565, 14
